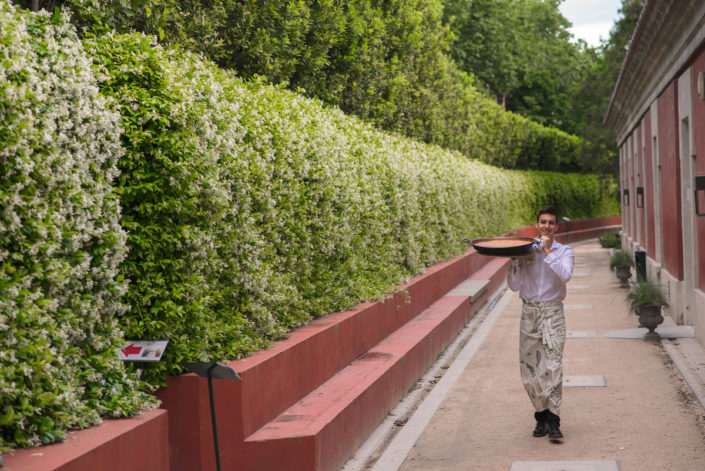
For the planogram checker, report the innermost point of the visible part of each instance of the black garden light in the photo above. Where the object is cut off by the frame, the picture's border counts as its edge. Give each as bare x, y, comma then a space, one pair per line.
212, 370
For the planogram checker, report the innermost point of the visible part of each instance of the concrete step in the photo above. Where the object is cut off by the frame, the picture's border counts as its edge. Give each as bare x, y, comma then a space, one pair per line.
494, 271
327, 425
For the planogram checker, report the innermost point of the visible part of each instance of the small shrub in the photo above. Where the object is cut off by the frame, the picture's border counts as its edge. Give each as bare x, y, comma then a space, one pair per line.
621, 259
645, 292
611, 239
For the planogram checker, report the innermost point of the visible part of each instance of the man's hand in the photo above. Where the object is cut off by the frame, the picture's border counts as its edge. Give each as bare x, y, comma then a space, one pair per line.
547, 243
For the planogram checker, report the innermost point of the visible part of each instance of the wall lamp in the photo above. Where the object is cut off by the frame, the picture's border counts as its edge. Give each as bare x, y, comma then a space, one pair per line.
699, 195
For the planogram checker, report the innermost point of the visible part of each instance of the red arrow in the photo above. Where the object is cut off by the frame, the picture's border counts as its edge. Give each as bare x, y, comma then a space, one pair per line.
131, 350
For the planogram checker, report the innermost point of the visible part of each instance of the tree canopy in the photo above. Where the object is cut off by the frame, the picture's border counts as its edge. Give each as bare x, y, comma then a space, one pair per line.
591, 97
407, 66
522, 52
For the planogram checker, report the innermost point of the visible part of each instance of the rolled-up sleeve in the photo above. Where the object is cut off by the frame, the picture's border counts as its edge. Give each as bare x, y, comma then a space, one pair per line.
515, 275
561, 263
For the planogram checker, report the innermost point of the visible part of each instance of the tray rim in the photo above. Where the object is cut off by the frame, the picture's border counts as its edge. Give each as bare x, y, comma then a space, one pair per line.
514, 251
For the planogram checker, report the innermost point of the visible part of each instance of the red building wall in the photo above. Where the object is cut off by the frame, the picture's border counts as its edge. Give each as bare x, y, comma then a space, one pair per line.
650, 227
671, 220
699, 151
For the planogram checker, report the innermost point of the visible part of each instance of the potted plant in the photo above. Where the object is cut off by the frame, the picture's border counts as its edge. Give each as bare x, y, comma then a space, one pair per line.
610, 240
622, 262
646, 300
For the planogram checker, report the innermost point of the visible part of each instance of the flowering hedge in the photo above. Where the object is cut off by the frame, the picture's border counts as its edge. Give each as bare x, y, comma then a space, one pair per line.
251, 209
246, 210
385, 62
60, 239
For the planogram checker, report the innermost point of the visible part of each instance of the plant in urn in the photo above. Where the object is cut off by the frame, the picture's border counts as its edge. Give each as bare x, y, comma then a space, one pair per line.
646, 300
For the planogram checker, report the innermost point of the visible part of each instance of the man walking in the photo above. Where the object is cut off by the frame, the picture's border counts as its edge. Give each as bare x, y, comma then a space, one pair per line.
541, 282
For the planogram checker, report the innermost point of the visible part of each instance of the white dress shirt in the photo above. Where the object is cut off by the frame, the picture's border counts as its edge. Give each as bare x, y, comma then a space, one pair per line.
545, 279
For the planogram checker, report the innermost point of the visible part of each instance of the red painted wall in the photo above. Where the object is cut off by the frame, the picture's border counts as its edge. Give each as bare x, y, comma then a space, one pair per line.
274, 379
139, 443
671, 220
699, 151
634, 162
649, 187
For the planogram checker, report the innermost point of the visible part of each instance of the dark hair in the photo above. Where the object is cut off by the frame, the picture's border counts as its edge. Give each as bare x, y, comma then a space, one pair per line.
548, 209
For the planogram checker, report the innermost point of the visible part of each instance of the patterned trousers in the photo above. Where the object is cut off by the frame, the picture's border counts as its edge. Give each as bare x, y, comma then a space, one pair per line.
541, 341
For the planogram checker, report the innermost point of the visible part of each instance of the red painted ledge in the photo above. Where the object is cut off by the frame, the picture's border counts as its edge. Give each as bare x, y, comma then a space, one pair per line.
581, 229
275, 379
324, 428
140, 443
272, 381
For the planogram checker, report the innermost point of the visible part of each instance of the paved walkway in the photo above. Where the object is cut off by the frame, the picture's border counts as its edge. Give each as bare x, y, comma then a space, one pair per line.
626, 405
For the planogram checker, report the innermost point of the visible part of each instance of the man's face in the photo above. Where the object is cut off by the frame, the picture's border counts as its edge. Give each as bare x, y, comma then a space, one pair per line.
547, 225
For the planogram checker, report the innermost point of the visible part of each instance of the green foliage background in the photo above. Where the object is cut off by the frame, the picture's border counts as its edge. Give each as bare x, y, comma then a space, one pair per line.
149, 188
251, 209
599, 154
61, 243
386, 62
532, 63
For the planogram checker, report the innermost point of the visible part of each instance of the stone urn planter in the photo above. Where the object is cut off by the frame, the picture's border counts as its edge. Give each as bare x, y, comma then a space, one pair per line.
650, 317
646, 300
623, 274
622, 263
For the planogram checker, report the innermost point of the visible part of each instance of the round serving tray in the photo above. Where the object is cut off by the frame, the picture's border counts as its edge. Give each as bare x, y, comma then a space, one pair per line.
515, 246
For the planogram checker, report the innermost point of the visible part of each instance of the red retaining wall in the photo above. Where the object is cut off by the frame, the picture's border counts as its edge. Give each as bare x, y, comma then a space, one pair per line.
276, 379
325, 427
573, 231
139, 443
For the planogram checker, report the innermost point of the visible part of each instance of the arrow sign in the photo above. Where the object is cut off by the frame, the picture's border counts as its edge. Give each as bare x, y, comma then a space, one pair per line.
131, 350
142, 350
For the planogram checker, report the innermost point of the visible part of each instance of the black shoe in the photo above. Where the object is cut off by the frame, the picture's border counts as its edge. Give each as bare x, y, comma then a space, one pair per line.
554, 425
554, 433
541, 426
541, 429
